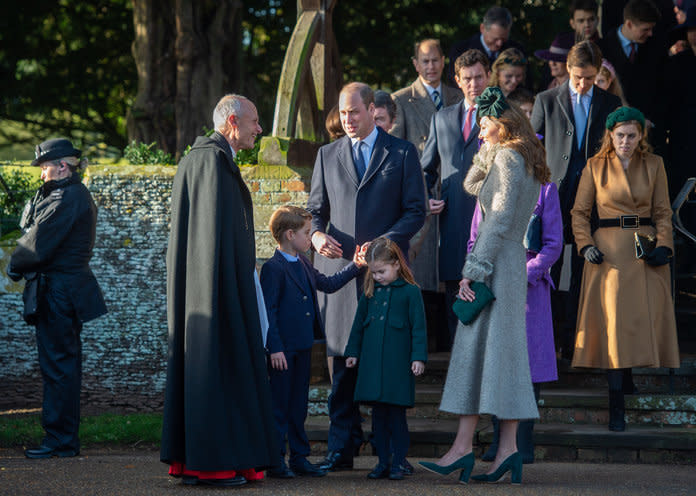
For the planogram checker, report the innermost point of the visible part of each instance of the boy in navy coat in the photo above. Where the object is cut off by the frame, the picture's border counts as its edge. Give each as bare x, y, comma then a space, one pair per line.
290, 285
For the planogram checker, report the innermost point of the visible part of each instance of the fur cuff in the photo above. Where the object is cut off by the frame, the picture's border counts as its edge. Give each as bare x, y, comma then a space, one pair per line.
475, 269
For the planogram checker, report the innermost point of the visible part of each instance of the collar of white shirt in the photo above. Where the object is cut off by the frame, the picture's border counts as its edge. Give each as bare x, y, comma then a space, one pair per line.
369, 139
430, 90
485, 47
289, 257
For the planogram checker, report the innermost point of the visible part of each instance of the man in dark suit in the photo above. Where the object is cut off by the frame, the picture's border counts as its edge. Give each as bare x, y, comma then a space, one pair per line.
639, 59
451, 146
365, 185
571, 120
494, 37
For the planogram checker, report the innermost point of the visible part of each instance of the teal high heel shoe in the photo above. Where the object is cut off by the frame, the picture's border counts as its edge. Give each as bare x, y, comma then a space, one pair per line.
512, 463
466, 463
466, 469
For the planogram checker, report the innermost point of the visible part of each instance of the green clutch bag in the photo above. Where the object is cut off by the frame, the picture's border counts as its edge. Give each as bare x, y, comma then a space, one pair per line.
467, 311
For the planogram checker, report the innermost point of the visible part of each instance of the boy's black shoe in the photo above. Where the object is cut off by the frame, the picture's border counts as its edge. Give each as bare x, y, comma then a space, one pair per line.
406, 467
396, 473
335, 461
381, 471
281, 472
303, 467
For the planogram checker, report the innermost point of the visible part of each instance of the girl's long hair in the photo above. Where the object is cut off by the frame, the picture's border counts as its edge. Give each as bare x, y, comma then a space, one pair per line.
385, 250
517, 133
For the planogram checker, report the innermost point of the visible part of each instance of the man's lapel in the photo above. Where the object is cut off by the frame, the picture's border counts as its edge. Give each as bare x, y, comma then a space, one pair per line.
563, 100
345, 159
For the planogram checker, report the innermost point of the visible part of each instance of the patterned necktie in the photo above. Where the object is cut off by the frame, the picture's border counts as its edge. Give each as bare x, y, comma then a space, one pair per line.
467, 123
437, 100
580, 121
632, 54
360, 166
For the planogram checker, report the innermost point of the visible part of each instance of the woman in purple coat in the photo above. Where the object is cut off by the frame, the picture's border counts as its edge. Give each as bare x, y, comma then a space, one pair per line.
540, 344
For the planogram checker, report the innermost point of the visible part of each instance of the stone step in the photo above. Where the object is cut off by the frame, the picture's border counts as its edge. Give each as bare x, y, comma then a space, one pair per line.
554, 442
562, 406
648, 380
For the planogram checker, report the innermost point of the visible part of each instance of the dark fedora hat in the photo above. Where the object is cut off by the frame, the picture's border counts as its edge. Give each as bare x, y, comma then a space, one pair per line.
53, 149
560, 46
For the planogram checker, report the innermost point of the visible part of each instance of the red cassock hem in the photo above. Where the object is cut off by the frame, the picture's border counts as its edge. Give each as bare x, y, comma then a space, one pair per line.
177, 469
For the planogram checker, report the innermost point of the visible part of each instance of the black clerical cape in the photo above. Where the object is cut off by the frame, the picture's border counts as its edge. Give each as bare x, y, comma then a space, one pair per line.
217, 409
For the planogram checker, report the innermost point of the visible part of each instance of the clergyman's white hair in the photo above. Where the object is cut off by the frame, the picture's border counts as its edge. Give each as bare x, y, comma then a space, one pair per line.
227, 106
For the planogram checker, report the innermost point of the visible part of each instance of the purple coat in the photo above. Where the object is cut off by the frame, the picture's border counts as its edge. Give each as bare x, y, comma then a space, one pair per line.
540, 344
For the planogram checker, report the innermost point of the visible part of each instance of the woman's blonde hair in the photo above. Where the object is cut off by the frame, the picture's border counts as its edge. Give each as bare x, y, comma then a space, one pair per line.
516, 132
511, 57
607, 146
615, 86
385, 250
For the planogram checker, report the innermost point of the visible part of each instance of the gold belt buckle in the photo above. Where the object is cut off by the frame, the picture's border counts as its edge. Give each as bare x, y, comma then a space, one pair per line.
629, 222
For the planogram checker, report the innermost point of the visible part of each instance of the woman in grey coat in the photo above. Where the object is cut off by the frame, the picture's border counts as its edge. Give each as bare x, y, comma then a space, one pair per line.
489, 367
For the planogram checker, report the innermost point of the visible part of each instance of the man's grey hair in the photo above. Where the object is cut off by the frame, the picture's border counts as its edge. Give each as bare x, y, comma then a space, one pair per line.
497, 15
227, 106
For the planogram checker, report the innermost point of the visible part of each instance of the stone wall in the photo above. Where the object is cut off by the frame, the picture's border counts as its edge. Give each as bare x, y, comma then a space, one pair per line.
124, 365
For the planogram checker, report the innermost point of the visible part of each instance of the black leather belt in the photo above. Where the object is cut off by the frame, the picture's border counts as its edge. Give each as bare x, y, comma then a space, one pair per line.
626, 222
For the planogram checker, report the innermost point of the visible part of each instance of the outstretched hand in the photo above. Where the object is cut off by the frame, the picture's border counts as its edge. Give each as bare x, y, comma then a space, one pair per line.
359, 256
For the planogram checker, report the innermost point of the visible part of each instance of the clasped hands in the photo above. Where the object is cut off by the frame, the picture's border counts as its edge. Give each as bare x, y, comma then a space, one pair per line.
417, 367
659, 256
326, 245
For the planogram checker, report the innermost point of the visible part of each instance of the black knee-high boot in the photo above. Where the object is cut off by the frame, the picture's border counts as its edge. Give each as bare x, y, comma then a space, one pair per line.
617, 407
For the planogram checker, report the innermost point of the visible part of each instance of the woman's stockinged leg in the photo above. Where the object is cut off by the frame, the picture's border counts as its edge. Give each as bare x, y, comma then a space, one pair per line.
507, 444
463, 443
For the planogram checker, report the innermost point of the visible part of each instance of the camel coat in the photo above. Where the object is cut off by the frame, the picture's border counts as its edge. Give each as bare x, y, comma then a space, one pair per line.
626, 313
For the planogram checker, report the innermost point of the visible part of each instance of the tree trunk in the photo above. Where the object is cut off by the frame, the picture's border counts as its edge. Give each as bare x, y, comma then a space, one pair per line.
187, 59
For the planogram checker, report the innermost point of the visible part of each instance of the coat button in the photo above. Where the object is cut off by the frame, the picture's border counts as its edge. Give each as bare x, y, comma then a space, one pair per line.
565, 157
382, 317
379, 289
307, 314
304, 297
385, 303
388, 289
568, 133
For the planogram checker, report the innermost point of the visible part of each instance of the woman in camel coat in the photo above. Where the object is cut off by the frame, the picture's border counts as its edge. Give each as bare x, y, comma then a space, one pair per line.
626, 313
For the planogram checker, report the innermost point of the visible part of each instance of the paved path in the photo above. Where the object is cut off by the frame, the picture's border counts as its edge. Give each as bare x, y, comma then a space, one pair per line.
100, 472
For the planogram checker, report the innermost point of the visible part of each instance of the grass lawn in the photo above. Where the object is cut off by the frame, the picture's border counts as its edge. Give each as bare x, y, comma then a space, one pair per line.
132, 429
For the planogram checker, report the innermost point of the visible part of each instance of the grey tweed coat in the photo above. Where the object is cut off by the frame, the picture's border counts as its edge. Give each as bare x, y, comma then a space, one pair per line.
489, 367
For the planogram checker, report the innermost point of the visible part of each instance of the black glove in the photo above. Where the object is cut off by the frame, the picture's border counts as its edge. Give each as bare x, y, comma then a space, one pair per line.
659, 256
15, 276
593, 255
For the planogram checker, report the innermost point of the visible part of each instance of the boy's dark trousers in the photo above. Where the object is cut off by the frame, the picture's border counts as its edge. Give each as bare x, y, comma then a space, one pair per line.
345, 431
290, 392
390, 429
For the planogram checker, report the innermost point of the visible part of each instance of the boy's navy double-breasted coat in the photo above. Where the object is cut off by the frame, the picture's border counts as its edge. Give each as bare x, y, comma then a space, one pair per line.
289, 304
388, 335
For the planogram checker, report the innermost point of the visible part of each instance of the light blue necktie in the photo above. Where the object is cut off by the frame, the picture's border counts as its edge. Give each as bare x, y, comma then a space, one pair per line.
580, 121
360, 166
437, 100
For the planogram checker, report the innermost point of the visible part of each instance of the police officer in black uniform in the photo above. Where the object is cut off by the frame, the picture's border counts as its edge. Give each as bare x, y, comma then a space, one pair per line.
53, 255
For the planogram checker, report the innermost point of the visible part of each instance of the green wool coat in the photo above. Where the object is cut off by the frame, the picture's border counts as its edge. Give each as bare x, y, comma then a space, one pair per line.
388, 334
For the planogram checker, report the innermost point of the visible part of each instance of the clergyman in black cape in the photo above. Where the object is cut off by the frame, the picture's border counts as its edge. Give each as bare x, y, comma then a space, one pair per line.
218, 425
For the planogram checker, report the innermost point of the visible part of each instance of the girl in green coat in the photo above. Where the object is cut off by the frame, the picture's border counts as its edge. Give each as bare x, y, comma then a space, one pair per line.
389, 341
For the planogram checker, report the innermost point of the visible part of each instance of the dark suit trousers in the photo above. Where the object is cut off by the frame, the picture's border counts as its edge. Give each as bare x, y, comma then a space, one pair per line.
60, 359
290, 394
390, 430
564, 304
345, 432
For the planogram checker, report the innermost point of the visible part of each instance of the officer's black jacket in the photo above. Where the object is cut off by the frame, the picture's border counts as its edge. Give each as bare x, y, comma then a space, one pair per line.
59, 240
